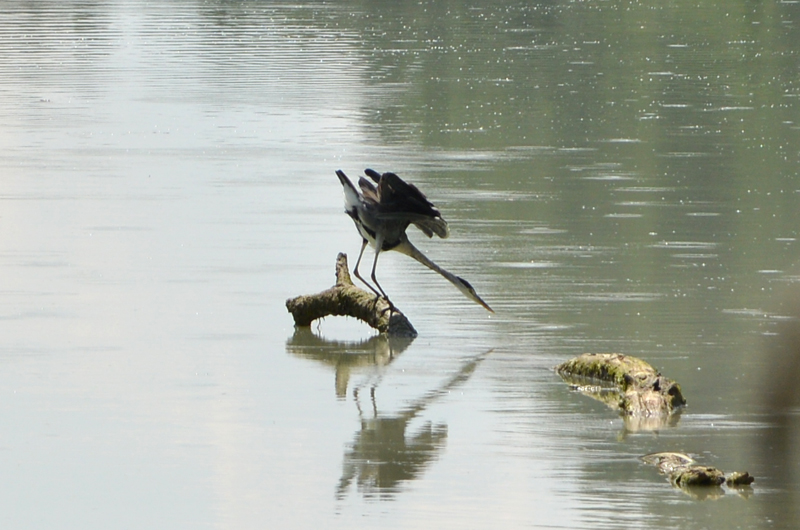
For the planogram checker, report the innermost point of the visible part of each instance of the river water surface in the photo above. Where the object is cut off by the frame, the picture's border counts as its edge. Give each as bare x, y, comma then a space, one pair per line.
618, 177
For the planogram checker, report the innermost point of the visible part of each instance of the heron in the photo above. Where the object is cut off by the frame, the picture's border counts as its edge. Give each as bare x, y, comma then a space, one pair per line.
382, 213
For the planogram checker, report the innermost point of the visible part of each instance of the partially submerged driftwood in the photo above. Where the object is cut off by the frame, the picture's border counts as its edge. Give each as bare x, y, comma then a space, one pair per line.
345, 299
639, 390
683, 471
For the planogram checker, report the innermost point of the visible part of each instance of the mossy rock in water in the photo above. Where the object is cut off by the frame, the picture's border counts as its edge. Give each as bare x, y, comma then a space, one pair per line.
643, 391
739, 478
697, 475
621, 370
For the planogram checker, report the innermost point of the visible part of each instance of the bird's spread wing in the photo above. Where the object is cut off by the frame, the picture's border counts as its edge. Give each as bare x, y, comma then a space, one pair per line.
351, 195
396, 195
428, 225
374, 175
401, 201
433, 225
368, 190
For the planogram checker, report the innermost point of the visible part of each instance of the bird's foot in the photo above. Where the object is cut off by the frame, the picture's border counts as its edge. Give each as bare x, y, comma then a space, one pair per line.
391, 307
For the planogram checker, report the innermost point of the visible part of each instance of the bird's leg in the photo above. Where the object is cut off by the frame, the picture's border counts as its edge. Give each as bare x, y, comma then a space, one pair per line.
379, 243
355, 269
365, 282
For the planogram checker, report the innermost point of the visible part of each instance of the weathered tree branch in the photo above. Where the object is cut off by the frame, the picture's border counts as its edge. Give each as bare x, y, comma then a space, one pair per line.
345, 299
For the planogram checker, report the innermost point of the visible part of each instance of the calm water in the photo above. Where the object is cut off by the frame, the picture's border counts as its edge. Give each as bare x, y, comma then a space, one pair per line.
617, 177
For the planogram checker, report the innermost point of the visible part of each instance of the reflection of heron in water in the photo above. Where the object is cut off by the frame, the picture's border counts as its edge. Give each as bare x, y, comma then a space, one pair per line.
383, 213
383, 454
345, 357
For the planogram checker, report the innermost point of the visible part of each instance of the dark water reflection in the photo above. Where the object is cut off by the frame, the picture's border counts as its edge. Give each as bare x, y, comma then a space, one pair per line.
618, 177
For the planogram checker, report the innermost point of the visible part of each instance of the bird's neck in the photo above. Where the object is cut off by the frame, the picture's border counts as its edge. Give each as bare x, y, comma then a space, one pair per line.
405, 247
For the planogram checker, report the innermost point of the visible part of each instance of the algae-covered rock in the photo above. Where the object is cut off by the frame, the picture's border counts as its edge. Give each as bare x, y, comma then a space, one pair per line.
697, 475
739, 478
621, 370
641, 390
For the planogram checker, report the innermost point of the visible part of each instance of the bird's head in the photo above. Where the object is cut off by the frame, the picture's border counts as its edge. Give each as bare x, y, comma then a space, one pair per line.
465, 287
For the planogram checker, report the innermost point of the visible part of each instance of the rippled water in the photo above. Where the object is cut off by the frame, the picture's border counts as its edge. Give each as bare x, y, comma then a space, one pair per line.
616, 178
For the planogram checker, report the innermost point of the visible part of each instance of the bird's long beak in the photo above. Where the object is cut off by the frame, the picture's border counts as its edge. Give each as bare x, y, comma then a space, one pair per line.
484, 304
475, 298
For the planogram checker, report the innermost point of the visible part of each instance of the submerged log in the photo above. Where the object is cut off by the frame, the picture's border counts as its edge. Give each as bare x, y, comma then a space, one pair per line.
639, 390
684, 472
345, 299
